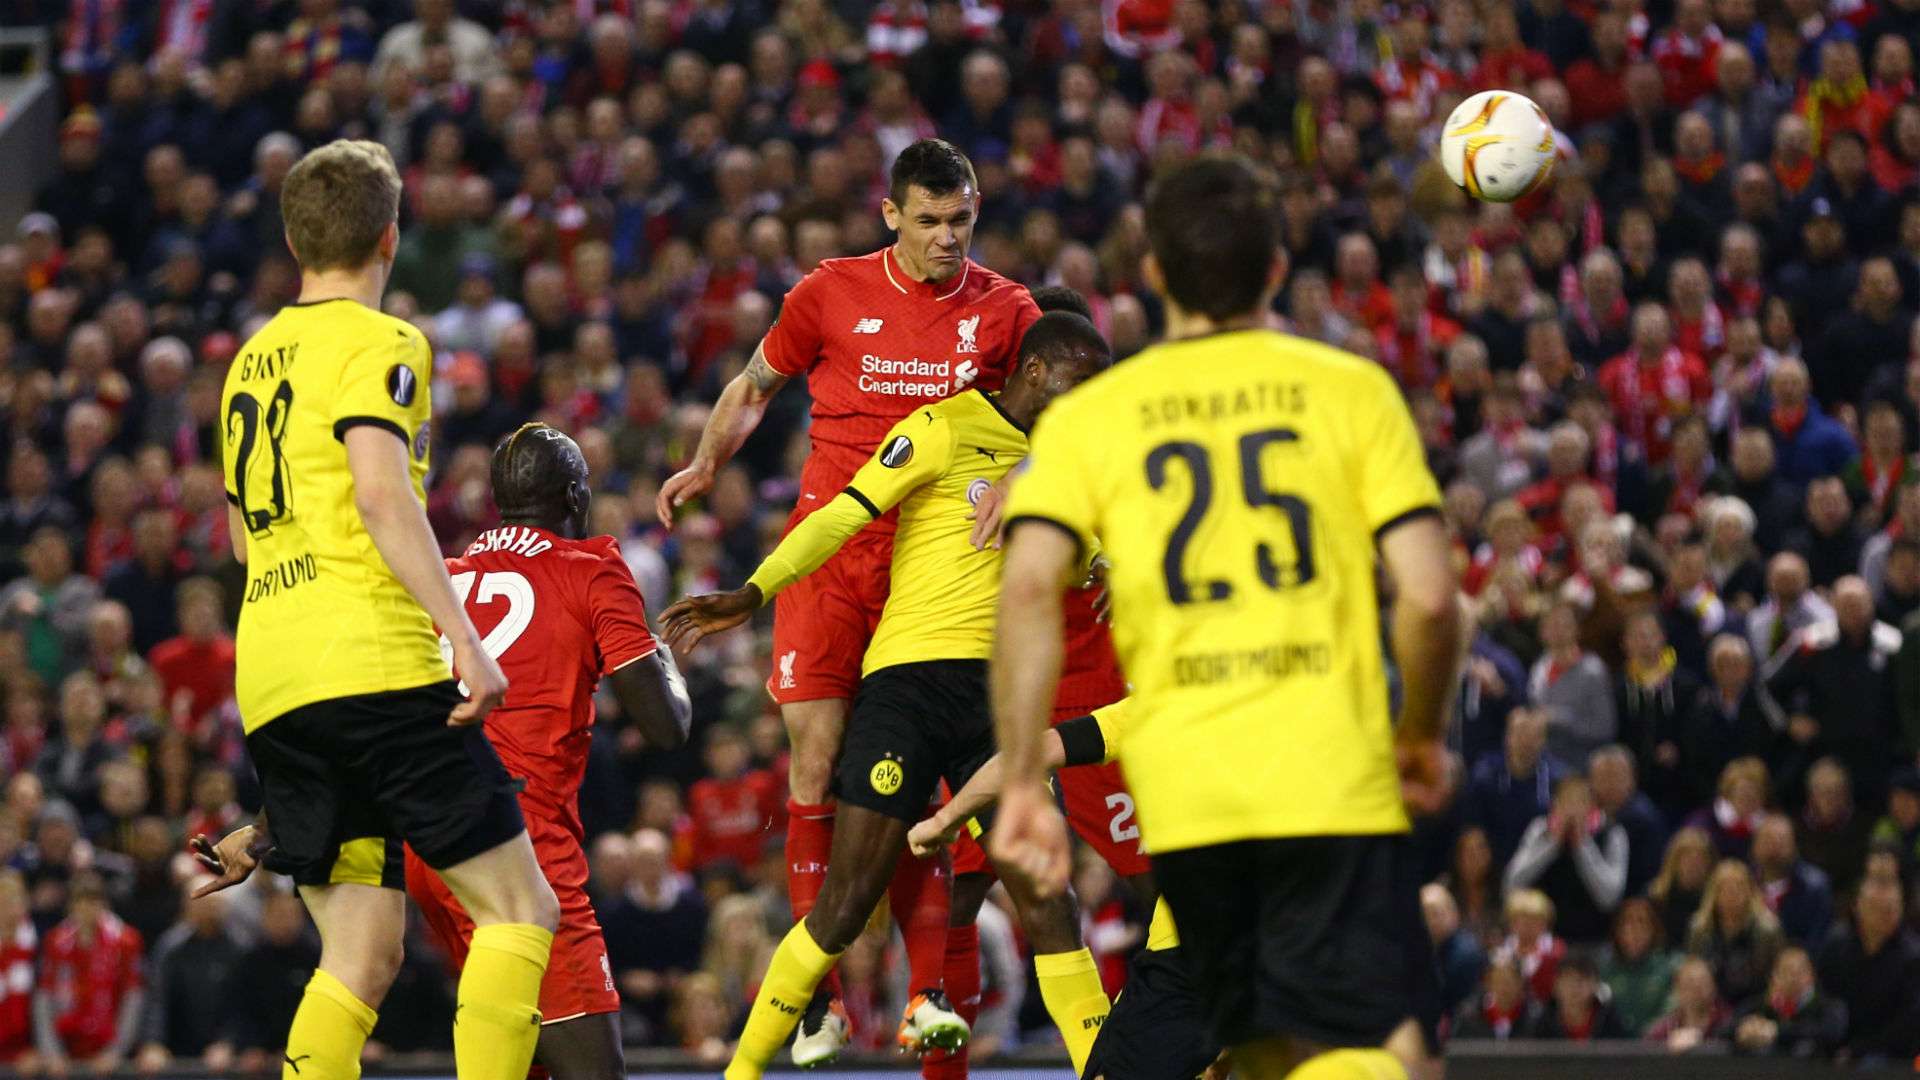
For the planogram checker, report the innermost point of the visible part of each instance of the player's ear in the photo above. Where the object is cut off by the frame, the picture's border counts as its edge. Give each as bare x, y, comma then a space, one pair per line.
890, 213
390, 240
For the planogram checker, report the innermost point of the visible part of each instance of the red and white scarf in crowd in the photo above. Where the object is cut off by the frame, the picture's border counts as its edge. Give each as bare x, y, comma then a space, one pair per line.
1643, 405
183, 26
1882, 482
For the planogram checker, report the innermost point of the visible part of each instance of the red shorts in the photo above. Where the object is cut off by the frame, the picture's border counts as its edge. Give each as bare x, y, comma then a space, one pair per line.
823, 622
579, 980
1099, 808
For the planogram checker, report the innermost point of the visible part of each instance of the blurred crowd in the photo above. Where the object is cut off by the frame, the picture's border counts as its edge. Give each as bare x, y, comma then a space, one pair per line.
1672, 397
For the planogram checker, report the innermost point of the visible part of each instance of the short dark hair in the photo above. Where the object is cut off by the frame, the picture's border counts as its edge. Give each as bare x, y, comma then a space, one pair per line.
1061, 335
1060, 298
531, 471
936, 166
1213, 226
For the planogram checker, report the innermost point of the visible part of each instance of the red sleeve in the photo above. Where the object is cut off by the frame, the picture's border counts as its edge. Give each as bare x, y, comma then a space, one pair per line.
132, 978
617, 614
793, 345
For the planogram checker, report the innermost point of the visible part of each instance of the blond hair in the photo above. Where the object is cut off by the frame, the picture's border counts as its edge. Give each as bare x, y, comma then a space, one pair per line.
1530, 902
1706, 918
1690, 838
337, 202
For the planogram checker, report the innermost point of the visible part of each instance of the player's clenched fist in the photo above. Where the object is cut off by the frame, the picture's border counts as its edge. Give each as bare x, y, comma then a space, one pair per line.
486, 683
1426, 784
1030, 839
697, 618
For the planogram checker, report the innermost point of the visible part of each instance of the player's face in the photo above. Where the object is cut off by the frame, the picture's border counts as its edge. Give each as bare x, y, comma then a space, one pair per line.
1063, 375
935, 230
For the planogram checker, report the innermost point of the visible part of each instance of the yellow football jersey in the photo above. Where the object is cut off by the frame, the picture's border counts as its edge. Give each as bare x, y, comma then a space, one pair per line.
323, 617
934, 465
1236, 482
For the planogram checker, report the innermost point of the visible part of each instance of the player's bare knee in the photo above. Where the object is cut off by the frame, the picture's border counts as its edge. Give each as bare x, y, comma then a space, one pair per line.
809, 773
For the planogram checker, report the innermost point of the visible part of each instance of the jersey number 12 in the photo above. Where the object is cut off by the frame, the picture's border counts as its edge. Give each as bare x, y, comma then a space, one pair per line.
494, 585
1253, 488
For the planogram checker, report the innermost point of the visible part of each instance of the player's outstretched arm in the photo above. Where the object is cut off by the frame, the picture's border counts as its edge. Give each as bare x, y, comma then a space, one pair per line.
980, 792
383, 494
654, 696
735, 416
1426, 647
1030, 834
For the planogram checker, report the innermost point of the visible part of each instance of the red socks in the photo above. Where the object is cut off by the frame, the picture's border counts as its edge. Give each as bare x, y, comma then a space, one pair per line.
809, 842
963, 989
920, 898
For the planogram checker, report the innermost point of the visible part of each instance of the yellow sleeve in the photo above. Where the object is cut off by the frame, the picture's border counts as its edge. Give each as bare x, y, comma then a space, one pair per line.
809, 545
1057, 486
916, 451
385, 383
1395, 482
1161, 933
1113, 726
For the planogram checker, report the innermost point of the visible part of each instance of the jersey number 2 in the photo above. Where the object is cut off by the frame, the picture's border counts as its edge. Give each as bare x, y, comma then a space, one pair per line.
261, 510
495, 585
1253, 488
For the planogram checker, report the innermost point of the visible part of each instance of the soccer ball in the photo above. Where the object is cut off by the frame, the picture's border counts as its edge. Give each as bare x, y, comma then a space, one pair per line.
1498, 145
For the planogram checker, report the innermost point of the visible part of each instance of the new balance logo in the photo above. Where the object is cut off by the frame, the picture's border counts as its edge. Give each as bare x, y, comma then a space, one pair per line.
867, 326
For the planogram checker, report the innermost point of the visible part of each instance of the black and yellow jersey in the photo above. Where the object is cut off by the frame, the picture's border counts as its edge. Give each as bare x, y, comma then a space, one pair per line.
934, 465
323, 617
1236, 483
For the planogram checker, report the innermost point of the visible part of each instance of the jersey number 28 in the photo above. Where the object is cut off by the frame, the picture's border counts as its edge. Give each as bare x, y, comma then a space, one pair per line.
495, 585
1253, 488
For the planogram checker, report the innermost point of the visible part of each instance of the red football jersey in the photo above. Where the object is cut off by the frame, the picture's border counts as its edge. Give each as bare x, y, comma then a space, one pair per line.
1090, 676
557, 614
87, 980
16, 991
874, 345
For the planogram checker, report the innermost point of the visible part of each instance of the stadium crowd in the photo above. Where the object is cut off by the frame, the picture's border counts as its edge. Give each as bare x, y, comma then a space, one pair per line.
1673, 399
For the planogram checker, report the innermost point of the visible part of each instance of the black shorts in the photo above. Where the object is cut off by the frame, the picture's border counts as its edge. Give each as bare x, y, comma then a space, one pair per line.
1316, 937
913, 725
1156, 1030
346, 780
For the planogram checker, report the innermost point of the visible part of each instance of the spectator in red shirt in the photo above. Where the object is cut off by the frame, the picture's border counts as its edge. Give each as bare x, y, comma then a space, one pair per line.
1686, 53
1413, 340
18, 944
90, 994
1699, 326
1654, 383
1357, 290
1505, 61
1838, 99
1598, 83
733, 809
196, 668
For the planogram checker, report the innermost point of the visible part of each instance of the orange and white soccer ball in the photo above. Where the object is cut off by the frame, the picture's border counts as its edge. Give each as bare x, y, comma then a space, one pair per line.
1498, 145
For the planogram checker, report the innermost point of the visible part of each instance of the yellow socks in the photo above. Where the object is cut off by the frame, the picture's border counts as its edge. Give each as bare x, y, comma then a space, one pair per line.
796, 969
1070, 987
329, 1030
497, 1022
1351, 1065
